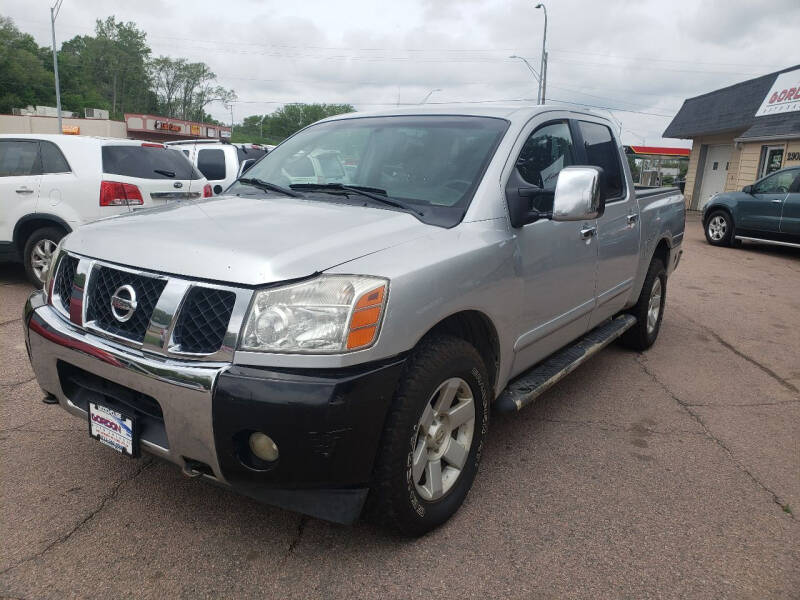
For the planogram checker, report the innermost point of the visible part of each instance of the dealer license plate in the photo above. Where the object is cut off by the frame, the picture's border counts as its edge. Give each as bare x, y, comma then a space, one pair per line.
114, 429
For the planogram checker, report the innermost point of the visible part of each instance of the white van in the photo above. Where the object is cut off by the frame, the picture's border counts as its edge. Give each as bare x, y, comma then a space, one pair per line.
221, 163
52, 184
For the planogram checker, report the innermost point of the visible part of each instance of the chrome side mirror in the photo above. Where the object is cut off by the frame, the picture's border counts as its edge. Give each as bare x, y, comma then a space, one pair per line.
579, 194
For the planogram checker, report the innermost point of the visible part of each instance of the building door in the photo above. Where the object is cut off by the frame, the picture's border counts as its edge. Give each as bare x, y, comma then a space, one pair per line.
715, 172
771, 160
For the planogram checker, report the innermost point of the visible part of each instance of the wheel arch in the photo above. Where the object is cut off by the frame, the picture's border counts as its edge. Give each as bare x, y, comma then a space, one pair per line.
476, 328
30, 223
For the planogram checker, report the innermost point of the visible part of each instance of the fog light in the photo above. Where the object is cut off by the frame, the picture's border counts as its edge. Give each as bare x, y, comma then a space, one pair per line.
263, 447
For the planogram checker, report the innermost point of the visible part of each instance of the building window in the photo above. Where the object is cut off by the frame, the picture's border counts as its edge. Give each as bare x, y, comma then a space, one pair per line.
715, 166
771, 160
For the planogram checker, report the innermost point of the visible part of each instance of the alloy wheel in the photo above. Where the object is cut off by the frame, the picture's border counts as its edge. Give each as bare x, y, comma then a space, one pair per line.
443, 439
41, 257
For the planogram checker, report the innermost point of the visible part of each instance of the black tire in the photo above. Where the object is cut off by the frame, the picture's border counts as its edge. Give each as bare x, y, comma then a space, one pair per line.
52, 235
716, 219
394, 500
640, 337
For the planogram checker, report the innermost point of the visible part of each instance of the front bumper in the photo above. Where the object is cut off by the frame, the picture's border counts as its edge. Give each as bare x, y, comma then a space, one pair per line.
326, 423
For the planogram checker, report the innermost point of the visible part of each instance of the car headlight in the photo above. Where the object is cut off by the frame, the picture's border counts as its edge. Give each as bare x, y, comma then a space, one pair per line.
326, 315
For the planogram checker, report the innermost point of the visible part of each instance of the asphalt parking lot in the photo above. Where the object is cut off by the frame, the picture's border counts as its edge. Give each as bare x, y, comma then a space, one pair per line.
674, 473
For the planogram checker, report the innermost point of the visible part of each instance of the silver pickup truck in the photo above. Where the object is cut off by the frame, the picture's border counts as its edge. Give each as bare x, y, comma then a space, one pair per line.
329, 335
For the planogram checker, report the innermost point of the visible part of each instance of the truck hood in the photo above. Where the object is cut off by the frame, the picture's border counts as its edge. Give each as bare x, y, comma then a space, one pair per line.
245, 240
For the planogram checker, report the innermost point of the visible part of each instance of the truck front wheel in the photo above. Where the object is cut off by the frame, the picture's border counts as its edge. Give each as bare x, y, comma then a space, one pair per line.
433, 437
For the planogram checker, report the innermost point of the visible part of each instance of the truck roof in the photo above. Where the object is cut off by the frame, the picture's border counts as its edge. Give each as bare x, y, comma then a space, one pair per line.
75, 139
511, 112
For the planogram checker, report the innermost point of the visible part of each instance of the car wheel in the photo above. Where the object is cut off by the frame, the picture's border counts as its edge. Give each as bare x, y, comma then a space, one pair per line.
649, 309
433, 437
38, 253
719, 228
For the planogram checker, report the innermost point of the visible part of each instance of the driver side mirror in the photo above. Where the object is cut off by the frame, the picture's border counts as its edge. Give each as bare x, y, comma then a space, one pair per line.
748, 189
579, 194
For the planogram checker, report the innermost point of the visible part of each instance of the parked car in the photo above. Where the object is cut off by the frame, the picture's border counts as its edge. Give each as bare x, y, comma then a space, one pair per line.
767, 211
330, 346
51, 184
220, 162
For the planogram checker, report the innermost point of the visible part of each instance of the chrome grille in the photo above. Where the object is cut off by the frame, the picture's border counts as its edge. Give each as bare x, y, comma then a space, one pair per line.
103, 283
64, 278
203, 320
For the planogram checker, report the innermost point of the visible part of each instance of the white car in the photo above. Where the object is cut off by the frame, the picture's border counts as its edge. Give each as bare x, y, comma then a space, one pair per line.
52, 184
221, 163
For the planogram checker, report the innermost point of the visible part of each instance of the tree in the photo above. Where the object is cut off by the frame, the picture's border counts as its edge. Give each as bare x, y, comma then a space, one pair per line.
24, 79
285, 121
184, 89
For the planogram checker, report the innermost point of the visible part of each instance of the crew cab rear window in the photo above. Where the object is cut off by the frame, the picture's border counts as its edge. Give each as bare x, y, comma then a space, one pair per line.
147, 162
601, 151
19, 157
211, 162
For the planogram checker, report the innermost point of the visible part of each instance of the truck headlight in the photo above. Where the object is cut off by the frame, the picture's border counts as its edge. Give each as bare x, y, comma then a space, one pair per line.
326, 315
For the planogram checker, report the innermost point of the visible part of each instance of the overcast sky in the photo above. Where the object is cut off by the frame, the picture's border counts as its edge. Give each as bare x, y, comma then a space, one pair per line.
641, 56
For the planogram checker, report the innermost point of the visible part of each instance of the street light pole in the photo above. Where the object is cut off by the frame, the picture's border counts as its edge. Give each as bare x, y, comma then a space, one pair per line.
429, 95
53, 14
530, 68
543, 69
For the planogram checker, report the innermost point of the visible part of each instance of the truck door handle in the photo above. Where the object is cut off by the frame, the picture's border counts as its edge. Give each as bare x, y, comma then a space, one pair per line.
632, 219
588, 232
778, 201
24, 190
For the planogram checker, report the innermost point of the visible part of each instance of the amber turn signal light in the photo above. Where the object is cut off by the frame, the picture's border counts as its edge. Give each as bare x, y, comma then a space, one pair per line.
365, 319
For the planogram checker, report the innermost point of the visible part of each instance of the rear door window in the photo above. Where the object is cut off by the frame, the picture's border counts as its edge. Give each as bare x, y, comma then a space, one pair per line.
211, 162
19, 158
147, 162
53, 160
601, 151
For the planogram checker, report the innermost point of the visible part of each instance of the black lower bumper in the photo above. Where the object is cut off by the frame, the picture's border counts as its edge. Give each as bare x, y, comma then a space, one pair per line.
326, 424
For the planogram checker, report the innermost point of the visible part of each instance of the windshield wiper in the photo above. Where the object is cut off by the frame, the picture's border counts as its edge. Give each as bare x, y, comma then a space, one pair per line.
376, 194
164, 172
271, 187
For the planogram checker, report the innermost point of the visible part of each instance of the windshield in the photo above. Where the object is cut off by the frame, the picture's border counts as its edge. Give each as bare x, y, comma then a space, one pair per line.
432, 163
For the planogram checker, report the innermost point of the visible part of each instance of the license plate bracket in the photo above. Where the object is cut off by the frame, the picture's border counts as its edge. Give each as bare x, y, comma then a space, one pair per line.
114, 428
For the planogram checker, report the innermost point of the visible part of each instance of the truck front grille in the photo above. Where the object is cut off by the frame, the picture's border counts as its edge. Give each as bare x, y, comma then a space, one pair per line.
173, 316
64, 278
104, 283
204, 319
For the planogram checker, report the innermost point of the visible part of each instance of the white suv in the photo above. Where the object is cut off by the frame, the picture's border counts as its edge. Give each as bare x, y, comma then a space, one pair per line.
221, 163
51, 184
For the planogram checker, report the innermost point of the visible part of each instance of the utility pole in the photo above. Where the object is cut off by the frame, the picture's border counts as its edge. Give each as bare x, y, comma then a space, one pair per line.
543, 68
53, 14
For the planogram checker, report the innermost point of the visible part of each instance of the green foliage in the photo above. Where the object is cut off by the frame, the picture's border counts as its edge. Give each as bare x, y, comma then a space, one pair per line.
24, 79
277, 126
112, 70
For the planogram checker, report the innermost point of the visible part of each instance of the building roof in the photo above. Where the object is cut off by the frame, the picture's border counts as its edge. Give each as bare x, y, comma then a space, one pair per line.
773, 126
729, 109
658, 151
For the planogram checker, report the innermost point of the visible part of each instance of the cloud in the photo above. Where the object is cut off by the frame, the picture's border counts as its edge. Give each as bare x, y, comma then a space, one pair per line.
642, 56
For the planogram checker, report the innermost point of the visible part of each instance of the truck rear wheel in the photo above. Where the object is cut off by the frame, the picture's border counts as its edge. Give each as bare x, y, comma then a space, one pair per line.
649, 309
433, 437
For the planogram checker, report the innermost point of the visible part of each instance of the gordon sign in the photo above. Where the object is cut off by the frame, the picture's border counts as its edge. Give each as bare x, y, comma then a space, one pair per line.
783, 96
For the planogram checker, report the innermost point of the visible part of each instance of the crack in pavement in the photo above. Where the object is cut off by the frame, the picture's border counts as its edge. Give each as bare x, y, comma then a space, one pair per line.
11, 321
13, 384
611, 427
103, 501
776, 403
642, 362
301, 526
786, 384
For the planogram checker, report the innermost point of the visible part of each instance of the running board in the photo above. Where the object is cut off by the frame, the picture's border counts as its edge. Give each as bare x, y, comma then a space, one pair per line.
763, 241
531, 384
